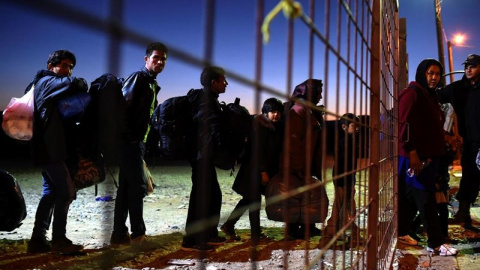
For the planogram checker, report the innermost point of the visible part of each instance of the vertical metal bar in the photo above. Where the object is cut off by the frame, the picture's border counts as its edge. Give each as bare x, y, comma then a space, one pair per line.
115, 36
209, 30
376, 70
258, 90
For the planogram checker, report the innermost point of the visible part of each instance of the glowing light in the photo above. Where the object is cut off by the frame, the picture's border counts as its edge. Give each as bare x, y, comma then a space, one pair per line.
458, 39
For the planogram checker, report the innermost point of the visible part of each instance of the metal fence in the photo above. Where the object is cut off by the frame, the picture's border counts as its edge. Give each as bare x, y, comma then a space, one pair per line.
354, 47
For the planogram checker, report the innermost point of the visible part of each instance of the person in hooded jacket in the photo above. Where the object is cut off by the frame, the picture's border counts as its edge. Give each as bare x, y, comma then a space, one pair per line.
464, 95
302, 143
421, 146
53, 144
261, 163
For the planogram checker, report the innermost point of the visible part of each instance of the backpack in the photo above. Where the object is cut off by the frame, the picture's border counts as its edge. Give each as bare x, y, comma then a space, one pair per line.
237, 125
172, 119
12, 204
105, 116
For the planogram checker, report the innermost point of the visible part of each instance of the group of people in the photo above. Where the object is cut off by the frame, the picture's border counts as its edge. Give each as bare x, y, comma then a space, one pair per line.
425, 152
285, 136
56, 141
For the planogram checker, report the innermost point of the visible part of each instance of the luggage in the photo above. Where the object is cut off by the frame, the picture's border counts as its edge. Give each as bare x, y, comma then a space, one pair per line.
12, 204
298, 207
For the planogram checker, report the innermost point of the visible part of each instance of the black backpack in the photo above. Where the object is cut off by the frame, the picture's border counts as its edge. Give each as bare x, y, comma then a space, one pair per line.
172, 119
12, 204
105, 117
237, 123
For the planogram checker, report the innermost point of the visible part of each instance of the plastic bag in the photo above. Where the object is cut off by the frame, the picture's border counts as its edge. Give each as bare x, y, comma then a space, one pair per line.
18, 117
149, 179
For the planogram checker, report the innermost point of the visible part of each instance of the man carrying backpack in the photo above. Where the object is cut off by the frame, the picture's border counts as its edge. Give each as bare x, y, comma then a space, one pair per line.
140, 91
205, 196
54, 144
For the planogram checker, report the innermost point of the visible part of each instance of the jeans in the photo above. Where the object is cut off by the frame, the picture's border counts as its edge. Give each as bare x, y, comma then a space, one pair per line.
57, 195
205, 203
132, 189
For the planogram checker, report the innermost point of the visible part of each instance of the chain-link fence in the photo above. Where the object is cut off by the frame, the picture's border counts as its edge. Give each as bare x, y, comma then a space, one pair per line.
353, 46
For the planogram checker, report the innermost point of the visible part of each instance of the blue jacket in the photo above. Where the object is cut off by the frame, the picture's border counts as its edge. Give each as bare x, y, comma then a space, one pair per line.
54, 138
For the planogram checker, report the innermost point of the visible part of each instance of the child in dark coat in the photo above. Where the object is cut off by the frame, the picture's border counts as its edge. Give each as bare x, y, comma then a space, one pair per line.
261, 163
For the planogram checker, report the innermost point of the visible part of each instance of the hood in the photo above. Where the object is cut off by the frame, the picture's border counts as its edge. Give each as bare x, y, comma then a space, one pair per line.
302, 90
420, 77
263, 120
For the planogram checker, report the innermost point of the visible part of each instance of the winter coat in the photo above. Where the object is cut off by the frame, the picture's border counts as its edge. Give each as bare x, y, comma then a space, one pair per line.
140, 91
302, 120
54, 138
208, 124
345, 159
465, 99
420, 117
262, 155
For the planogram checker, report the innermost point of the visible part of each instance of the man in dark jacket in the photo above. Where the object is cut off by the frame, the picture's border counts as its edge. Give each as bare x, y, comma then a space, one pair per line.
421, 146
205, 197
140, 91
464, 95
52, 145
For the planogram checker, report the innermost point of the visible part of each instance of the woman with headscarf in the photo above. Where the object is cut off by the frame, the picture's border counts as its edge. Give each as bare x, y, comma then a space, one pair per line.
421, 145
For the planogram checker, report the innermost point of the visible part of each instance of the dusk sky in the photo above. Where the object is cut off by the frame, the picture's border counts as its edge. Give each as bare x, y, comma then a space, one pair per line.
28, 36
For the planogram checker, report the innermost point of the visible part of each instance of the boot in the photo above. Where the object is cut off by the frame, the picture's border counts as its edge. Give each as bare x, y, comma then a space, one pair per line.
463, 213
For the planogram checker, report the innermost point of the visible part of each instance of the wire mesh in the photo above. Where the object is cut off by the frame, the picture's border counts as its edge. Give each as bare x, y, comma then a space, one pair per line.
353, 47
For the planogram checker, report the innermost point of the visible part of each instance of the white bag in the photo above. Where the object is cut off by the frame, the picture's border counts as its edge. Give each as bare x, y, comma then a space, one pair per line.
18, 117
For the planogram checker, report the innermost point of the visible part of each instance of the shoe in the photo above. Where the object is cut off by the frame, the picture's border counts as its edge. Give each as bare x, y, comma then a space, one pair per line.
230, 232
38, 245
407, 240
470, 227
196, 247
64, 246
295, 234
314, 231
118, 239
261, 238
216, 241
443, 250
139, 240
324, 241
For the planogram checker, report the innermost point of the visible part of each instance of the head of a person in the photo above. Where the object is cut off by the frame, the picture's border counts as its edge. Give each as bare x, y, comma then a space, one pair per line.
310, 90
156, 57
350, 123
213, 78
429, 73
273, 109
472, 67
61, 62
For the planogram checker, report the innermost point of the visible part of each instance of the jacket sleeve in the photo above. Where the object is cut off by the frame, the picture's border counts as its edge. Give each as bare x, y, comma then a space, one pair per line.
473, 124
406, 112
50, 89
445, 94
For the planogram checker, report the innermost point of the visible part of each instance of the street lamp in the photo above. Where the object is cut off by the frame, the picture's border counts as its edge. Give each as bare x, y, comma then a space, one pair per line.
458, 40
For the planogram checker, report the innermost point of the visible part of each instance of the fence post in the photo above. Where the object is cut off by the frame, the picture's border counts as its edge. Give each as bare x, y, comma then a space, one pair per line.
373, 182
